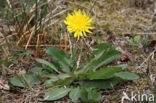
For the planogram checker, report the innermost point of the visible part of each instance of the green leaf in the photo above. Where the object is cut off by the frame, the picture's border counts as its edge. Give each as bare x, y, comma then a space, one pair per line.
134, 41
93, 95
24, 80
74, 94
1, 45
56, 93
54, 78
104, 73
137, 38
66, 82
6, 62
101, 84
49, 83
126, 76
84, 96
61, 57
48, 64
102, 46
63, 76
37, 70
89, 95
124, 66
104, 55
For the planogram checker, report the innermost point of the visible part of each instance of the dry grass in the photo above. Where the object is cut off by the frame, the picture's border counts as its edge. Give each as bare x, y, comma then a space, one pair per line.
110, 17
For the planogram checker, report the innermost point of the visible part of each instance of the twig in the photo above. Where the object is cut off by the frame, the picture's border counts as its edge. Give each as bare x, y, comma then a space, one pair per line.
70, 44
65, 42
79, 57
147, 59
47, 46
154, 33
141, 33
88, 45
30, 37
23, 36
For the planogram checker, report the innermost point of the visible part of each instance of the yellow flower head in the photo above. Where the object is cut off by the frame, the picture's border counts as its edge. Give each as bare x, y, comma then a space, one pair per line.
78, 22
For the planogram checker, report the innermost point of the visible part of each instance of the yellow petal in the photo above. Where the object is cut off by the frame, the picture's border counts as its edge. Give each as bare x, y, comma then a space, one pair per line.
79, 22
84, 33
65, 22
88, 31
90, 27
80, 33
79, 12
78, 37
75, 34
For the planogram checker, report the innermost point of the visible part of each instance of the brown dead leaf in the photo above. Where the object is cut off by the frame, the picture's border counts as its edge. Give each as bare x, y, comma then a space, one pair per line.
4, 85
111, 38
152, 44
130, 55
124, 58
